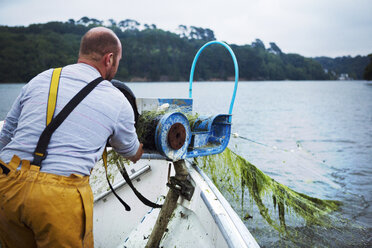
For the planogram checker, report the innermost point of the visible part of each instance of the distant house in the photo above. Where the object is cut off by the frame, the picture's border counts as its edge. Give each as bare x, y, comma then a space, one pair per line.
344, 76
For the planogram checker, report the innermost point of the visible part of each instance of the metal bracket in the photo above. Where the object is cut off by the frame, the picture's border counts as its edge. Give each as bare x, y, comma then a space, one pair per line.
183, 188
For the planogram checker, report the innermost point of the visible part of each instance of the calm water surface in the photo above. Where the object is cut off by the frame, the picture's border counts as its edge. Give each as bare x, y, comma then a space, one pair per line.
313, 136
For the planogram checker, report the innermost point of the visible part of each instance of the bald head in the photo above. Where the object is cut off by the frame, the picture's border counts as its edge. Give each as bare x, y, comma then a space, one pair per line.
97, 42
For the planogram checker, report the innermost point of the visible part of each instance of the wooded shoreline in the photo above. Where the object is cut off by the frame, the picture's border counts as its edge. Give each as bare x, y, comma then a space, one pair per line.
154, 55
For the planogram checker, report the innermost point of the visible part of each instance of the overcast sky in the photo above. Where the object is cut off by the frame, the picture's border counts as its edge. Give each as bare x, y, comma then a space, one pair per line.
307, 27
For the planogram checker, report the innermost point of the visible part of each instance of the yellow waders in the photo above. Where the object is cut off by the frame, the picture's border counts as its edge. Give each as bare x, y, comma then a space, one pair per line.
44, 210
39, 209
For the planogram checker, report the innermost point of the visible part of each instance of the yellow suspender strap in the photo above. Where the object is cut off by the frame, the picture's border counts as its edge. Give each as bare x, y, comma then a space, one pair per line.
52, 100
53, 90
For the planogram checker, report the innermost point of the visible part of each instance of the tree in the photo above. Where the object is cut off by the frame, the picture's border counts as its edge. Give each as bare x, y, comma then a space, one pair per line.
368, 70
274, 48
258, 44
150, 54
353, 66
201, 34
128, 24
83, 21
112, 22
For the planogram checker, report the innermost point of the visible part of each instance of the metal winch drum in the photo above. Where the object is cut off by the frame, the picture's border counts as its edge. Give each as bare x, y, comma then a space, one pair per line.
172, 135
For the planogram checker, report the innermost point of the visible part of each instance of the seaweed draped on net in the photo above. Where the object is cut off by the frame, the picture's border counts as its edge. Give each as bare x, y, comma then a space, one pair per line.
266, 205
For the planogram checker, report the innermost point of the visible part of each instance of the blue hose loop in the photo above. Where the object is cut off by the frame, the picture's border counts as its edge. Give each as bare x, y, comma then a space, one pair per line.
235, 65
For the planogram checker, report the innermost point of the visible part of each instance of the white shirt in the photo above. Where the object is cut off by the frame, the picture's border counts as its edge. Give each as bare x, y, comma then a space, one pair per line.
78, 142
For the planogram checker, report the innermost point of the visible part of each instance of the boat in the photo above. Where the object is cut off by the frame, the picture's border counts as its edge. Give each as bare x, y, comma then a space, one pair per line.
206, 220
194, 213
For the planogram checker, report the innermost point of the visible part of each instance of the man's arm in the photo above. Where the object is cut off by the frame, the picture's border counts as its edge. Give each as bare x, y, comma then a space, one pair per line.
138, 155
11, 121
124, 139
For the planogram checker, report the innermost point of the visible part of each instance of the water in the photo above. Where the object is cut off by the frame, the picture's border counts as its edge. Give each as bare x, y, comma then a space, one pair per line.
313, 136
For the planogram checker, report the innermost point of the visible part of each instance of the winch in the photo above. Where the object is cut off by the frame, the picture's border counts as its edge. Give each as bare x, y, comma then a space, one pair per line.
169, 132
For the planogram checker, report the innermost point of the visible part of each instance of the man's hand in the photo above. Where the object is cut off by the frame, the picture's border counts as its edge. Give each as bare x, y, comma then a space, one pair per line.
138, 155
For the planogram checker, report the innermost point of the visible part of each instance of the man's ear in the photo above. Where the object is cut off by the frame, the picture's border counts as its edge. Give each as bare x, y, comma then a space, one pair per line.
108, 59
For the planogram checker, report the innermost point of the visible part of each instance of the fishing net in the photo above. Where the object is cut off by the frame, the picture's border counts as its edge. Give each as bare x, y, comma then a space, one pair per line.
277, 215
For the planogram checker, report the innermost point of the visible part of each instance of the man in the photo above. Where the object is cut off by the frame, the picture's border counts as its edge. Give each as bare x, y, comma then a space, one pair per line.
52, 206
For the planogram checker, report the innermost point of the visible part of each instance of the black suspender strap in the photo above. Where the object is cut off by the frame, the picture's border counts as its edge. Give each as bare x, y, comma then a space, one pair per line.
4, 168
40, 152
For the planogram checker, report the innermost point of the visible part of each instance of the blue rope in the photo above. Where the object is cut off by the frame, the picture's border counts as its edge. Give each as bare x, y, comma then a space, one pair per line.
235, 65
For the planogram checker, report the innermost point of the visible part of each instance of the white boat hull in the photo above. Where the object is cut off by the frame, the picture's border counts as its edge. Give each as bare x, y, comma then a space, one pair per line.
205, 221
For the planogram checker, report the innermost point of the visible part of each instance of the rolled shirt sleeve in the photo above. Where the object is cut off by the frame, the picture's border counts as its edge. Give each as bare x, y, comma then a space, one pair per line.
124, 139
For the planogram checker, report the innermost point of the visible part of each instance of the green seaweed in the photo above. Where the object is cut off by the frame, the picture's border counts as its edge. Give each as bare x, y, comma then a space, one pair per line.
146, 126
236, 175
244, 176
113, 157
192, 117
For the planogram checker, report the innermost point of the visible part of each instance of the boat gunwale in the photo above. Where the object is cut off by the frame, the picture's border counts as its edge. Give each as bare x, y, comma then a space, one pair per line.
243, 231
